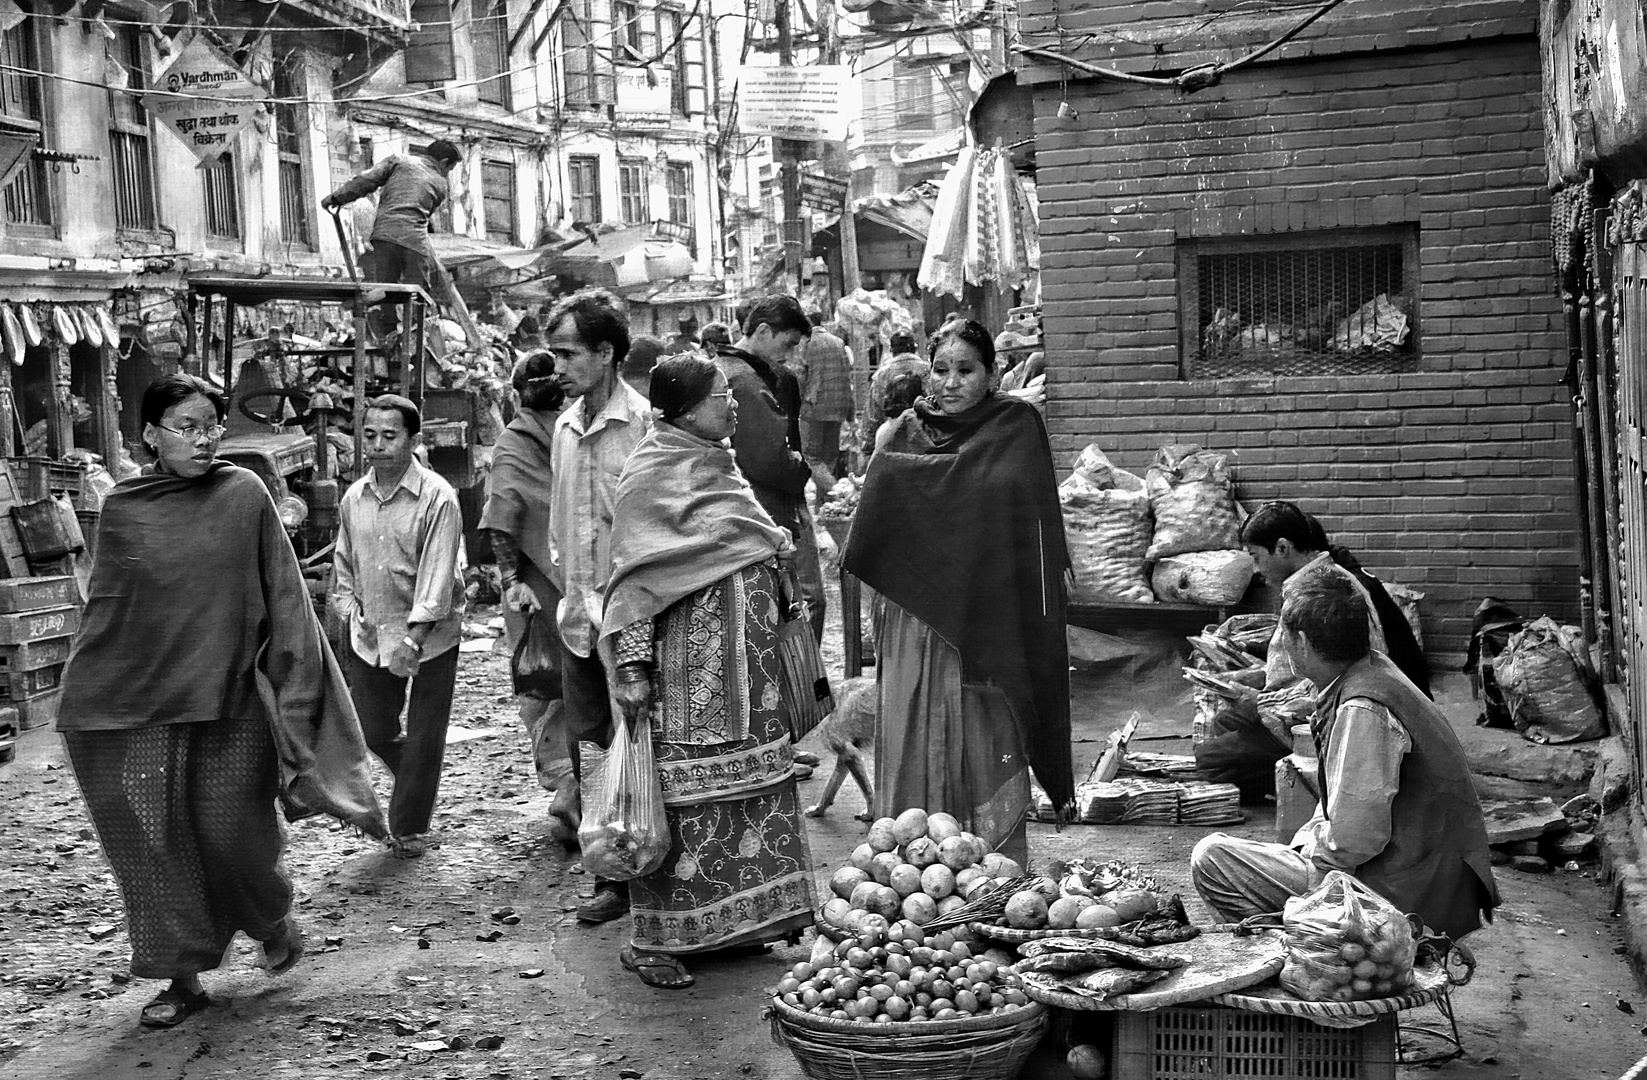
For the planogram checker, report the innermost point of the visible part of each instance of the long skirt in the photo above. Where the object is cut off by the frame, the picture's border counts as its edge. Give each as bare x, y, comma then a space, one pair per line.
945, 744
186, 815
739, 871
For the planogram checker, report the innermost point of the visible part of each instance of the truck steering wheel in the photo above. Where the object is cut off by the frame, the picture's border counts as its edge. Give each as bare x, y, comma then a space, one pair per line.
299, 399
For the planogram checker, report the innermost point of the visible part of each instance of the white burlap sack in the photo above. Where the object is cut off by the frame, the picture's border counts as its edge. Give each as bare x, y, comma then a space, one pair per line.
1107, 527
1213, 578
1193, 500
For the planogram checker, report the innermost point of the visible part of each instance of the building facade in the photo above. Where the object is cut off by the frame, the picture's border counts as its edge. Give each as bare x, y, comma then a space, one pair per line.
1331, 263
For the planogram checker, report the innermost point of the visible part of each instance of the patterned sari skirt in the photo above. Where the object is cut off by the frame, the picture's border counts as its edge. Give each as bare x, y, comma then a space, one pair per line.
739, 871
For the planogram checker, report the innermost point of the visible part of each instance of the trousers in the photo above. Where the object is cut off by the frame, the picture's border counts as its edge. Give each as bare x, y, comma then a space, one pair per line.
415, 756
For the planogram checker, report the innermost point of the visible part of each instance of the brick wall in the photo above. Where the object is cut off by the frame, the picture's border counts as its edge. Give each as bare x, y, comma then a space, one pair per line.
1456, 478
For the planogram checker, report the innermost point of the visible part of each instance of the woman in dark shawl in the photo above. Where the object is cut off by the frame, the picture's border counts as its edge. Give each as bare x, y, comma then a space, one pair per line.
958, 528
199, 692
691, 633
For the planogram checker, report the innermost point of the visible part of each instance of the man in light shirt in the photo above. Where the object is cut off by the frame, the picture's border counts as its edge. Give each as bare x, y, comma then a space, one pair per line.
588, 333
1398, 810
399, 569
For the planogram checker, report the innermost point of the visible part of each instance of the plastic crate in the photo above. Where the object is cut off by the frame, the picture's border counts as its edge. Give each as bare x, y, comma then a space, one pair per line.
1216, 1043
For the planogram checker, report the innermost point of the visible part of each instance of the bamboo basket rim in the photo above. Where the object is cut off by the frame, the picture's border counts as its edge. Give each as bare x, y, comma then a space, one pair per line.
1433, 984
1021, 1016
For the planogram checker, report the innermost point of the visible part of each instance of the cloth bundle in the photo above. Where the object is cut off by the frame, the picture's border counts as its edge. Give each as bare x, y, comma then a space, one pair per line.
1107, 523
1193, 499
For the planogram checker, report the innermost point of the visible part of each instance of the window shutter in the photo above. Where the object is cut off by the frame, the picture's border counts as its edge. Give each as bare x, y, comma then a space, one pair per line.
429, 55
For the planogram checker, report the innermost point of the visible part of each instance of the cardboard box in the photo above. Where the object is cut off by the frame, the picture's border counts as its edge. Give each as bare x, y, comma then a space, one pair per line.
27, 626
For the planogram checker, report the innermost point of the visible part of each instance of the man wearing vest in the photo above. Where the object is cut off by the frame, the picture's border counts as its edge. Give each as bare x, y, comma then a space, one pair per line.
1398, 809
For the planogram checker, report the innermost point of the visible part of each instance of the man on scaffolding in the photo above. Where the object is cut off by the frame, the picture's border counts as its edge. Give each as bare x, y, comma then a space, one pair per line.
412, 188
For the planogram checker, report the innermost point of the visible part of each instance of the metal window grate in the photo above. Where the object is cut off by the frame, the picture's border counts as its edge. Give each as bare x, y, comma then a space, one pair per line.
133, 180
222, 199
1337, 303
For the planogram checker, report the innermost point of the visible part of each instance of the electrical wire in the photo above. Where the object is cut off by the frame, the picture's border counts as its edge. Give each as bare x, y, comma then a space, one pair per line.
1191, 80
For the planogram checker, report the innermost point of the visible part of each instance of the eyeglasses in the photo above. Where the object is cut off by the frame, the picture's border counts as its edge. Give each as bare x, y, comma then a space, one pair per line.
196, 435
725, 395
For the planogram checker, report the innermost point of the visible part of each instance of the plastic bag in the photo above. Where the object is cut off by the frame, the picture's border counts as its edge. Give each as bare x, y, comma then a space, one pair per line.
1545, 678
1193, 500
625, 833
1346, 943
1107, 525
535, 667
1213, 578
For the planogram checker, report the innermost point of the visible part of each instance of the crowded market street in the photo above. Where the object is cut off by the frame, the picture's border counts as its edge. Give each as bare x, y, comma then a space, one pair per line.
469, 963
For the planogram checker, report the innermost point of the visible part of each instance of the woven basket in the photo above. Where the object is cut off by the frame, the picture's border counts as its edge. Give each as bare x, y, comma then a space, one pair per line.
837, 528
1429, 984
990, 1047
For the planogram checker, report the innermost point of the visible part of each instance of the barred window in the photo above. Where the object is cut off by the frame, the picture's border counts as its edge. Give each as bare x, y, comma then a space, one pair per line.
497, 180
679, 181
583, 189
22, 112
130, 151
632, 184
1338, 302
222, 198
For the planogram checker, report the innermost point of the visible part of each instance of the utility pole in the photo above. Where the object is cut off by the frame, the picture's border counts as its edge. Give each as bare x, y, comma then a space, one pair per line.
788, 153
830, 53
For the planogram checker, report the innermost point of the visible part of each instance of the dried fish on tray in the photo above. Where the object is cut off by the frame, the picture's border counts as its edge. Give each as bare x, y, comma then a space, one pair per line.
1125, 955
1216, 963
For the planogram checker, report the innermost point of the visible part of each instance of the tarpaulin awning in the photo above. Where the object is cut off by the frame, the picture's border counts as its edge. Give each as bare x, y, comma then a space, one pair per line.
908, 212
623, 257
462, 252
984, 227
680, 291
946, 145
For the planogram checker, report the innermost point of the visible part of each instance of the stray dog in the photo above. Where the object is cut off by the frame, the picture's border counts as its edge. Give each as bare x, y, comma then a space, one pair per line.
849, 732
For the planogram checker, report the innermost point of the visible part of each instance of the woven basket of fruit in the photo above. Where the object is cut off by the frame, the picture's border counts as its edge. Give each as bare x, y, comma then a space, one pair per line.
991, 1046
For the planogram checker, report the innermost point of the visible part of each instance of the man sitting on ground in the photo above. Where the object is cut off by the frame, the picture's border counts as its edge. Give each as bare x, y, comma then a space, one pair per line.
1398, 810
1292, 550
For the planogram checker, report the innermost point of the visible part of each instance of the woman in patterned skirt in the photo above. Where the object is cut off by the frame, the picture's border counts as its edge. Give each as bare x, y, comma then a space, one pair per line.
200, 692
691, 629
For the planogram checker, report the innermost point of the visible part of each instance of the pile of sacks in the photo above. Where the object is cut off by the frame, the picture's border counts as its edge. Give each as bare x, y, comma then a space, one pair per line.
1172, 535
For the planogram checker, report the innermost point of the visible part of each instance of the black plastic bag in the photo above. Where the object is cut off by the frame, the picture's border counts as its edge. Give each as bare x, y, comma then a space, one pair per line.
1495, 622
535, 667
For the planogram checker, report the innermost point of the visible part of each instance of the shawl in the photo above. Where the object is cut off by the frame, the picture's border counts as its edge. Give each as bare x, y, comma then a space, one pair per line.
685, 518
518, 494
958, 523
198, 612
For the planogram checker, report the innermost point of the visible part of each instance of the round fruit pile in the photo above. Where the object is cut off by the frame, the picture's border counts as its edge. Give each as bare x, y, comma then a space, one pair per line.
916, 866
902, 975
1044, 906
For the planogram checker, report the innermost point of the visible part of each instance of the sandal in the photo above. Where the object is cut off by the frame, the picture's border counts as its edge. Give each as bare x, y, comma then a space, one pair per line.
608, 904
409, 847
284, 950
656, 970
171, 1007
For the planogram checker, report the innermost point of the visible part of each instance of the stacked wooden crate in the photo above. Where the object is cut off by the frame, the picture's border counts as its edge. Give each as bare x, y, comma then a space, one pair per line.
40, 606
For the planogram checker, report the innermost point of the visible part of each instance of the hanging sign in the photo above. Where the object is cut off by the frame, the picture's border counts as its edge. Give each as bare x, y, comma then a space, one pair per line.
218, 103
823, 193
793, 102
644, 95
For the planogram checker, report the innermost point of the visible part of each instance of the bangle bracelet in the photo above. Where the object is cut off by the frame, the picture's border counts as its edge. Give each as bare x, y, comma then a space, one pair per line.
634, 673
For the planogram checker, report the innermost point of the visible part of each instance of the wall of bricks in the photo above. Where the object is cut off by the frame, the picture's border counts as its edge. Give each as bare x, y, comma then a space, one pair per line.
1455, 478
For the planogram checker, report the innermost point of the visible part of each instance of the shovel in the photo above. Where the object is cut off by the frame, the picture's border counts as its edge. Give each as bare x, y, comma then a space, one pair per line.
343, 242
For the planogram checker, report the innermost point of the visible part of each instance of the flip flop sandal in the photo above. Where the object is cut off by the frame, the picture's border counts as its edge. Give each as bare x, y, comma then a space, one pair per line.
288, 946
648, 967
409, 847
171, 1007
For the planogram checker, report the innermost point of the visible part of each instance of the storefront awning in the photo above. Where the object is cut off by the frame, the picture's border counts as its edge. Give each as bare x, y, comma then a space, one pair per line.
457, 252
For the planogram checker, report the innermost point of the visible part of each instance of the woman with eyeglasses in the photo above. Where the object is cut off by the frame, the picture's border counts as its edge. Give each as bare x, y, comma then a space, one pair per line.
959, 530
199, 693
690, 631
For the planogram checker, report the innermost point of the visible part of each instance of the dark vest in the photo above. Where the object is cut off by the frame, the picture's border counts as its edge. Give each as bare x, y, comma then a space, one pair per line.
1436, 864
